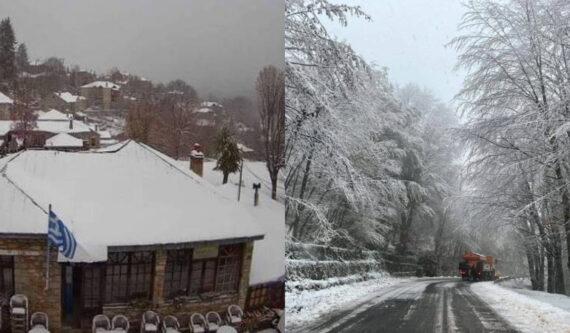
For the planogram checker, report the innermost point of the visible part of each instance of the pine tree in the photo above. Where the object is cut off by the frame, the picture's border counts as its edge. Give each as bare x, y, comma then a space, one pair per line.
7, 51
22, 61
229, 156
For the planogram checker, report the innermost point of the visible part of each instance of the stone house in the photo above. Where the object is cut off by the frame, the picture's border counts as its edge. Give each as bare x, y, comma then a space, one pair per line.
65, 101
150, 235
47, 125
103, 94
6, 106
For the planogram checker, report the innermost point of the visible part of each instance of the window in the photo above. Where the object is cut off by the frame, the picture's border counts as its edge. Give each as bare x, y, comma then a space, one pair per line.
129, 276
229, 266
91, 286
6, 276
176, 274
186, 275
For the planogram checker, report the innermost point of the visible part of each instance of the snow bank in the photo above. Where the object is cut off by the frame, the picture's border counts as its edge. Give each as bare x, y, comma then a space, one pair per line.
303, 307
525, 310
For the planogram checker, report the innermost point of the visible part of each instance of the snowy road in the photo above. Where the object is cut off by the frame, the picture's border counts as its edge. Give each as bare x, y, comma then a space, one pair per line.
424, 305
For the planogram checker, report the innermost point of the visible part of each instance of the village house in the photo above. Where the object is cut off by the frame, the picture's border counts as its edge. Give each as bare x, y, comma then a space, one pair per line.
150, 235
47, 125
65, 101
102, 94
6, 106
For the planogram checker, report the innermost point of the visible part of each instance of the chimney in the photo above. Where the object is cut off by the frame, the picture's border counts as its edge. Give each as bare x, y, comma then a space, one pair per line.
70, 123
256, 187
197, 160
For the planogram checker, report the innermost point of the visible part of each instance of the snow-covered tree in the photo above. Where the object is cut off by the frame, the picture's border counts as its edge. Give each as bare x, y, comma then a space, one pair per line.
229, 156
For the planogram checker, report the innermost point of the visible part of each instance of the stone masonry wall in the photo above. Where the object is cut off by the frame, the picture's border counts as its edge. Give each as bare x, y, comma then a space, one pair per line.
29, 276
218, 302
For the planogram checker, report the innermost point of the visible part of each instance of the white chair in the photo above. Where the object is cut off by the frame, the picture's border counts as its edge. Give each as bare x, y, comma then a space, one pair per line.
100, 323
39, 323
19, 312
170, 325
198, 323
120, 323
235, 314
150, 322
214, 321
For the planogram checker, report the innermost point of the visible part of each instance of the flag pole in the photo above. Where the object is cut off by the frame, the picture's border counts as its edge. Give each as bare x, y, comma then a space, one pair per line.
47, 250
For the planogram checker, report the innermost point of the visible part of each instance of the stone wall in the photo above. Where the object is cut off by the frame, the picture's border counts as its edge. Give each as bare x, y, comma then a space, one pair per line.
218, 302
29, 276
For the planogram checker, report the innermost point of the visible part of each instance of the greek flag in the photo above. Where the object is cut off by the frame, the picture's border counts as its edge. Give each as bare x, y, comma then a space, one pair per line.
60, 236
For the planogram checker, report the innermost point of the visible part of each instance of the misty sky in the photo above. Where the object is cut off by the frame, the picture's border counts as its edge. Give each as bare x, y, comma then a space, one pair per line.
217, 46
409, 37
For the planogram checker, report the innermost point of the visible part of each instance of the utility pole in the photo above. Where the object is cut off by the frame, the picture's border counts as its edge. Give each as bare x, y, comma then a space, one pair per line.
240, 178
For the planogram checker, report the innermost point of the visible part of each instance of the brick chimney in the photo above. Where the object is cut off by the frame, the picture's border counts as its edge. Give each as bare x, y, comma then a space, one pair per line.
197, 160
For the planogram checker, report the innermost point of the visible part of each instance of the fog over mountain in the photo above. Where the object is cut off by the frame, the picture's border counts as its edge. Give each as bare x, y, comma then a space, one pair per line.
217, 46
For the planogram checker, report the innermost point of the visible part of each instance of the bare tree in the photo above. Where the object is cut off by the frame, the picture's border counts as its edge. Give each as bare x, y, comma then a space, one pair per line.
175, 122
140, 121
270, 87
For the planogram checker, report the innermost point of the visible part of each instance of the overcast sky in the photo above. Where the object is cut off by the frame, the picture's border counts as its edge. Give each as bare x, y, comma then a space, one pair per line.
217, 46
409, 37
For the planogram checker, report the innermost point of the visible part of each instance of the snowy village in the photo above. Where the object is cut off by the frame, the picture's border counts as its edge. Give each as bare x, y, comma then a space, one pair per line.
131, 205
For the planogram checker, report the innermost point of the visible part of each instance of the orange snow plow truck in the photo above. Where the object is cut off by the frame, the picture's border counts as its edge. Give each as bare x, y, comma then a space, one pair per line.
477, 267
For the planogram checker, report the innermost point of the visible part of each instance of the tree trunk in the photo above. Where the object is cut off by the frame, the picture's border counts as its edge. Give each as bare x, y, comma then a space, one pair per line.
274, 187
225, 180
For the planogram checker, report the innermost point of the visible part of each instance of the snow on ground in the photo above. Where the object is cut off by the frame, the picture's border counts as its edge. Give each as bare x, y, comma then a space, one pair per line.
526, 310
303, 307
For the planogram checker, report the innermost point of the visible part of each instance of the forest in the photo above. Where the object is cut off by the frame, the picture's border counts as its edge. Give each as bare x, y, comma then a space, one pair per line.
375, 166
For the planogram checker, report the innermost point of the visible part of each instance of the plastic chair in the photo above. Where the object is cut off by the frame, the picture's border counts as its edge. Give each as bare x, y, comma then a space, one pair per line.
120, 323
170, 324
100, 323
198, 323
213, 320
39, 322
150, 322
235, 314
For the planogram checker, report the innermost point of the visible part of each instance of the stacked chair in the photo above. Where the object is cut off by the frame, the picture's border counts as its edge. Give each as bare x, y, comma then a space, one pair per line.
19, 313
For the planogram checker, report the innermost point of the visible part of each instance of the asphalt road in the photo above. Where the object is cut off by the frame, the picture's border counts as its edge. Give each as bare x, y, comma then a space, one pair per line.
420, 306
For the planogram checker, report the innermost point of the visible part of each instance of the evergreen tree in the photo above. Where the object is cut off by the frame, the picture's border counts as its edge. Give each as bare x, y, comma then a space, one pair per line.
22, 61
7, 51
229, 156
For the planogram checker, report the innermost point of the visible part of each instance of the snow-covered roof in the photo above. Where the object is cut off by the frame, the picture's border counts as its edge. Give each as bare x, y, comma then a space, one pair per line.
268, 260
5, 99
104, 134
203, 110
63, 140
62, 126
69, 97
53, 126
211, 104
5, 126
53, 114
102, 84
244, 148
126, 197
